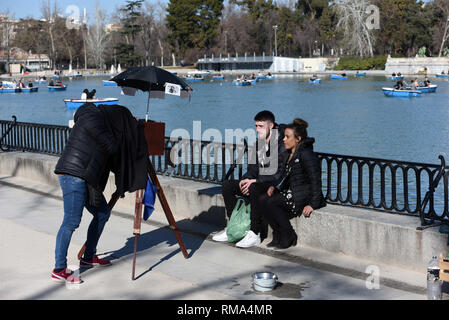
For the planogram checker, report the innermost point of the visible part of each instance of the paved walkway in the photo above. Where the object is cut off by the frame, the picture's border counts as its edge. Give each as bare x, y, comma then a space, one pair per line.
29, 221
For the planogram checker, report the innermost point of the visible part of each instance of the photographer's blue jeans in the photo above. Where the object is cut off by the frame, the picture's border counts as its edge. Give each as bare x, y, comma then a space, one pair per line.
74, 192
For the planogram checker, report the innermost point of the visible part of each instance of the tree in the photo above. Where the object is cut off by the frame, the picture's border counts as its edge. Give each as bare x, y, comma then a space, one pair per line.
442, 26
308, 15
329, 33
193, 25
312, 9
131, 13
97, 39
285, 31
352, 19
6, 34
182, 22
262, 15
209, 15
50, 15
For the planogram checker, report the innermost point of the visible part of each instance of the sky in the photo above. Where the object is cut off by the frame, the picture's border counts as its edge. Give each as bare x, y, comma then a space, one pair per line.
27, 8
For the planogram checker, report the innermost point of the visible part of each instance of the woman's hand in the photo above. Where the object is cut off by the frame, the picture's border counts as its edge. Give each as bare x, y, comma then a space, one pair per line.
245, 184
307, 211
270, 191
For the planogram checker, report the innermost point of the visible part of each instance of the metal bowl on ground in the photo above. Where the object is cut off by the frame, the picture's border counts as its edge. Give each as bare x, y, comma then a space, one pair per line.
264, 281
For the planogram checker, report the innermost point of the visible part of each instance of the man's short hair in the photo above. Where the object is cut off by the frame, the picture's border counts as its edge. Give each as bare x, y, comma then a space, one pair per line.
265, 116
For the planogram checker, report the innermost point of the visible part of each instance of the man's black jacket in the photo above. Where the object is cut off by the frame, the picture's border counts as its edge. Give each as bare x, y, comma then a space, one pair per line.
88, 148
260, 160
130, 163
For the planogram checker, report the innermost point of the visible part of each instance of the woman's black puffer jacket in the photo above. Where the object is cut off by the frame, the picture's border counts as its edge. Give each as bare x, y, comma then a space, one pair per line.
88, 148
305, 177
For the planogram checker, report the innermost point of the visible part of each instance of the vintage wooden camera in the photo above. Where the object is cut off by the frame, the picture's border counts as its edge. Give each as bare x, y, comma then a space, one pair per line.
155, 137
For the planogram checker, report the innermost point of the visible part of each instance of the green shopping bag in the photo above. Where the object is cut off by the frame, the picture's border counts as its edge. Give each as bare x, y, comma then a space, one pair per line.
239, 222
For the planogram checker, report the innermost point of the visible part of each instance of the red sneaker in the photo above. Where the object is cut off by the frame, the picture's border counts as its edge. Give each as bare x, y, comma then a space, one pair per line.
65, 276
95, 262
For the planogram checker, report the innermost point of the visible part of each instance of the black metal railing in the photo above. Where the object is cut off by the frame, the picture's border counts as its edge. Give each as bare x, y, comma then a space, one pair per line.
410, 188
11, 125
33, 137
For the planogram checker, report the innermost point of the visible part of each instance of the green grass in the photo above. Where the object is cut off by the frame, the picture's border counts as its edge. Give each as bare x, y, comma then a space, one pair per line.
353, 63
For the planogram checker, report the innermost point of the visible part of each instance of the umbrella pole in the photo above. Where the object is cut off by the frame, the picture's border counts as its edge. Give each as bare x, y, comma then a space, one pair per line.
148, 106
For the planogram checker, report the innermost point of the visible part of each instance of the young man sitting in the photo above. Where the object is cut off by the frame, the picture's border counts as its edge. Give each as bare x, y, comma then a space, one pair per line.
260, 175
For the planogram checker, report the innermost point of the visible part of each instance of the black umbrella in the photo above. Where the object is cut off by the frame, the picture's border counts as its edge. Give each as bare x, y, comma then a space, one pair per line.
150, 79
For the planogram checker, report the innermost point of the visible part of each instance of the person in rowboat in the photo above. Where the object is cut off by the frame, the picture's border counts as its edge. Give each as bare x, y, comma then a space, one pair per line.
91, 95
399, 85
84, 94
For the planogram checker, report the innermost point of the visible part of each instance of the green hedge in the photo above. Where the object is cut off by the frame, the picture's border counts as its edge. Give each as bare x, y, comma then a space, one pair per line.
352, 63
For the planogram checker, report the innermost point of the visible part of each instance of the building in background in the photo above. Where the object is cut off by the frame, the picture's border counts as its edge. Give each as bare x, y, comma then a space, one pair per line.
269, 63
31, 61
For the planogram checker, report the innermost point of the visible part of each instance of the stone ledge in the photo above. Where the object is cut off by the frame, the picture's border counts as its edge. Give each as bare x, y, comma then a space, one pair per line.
360, 233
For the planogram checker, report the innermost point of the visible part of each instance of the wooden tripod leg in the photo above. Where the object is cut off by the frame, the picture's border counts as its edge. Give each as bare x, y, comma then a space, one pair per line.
137, 225
166, 207
115, 196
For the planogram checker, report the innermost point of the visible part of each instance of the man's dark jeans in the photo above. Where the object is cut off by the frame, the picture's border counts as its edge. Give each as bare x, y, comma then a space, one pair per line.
74, 191
230, 191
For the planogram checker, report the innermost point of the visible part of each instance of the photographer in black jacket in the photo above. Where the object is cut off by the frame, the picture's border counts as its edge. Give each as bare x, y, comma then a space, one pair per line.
299, 191
83, 173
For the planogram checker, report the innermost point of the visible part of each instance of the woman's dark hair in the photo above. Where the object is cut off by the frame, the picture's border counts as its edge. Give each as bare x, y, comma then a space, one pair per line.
299, 127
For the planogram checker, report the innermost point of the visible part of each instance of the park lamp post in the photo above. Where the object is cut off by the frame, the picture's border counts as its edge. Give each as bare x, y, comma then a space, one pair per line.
275, 41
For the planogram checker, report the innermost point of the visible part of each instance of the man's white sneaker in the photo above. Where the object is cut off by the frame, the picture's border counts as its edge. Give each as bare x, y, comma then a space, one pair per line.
250, 240
221, 237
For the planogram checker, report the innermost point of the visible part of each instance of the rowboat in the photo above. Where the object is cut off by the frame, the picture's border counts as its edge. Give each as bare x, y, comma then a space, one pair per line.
194, 77
269, 77
442, 75
76, 103
76, 75
429, 89
28, 89
9, 87
241, 83
316, 81
201, 73
56, 88
390, 92
9, 90
56, 76
360, 74
396, 78
108, 83
337, 77
218, 77
261, 77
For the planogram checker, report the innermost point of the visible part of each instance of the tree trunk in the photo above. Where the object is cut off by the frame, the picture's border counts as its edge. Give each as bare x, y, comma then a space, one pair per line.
162, 52
52, 46
444, 37
85, 51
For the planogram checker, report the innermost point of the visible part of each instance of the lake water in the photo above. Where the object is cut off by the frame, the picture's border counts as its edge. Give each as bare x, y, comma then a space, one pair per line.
350, 117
